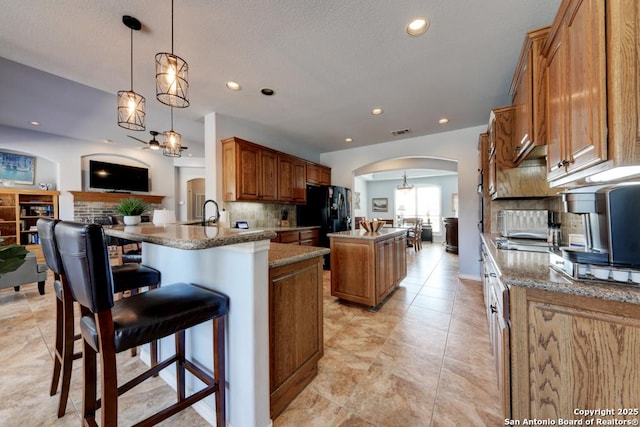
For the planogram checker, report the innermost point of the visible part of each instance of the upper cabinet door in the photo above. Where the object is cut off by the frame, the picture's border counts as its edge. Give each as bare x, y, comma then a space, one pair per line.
586, 84
556, 107
576, 90
285, 178
528, 95
268, 190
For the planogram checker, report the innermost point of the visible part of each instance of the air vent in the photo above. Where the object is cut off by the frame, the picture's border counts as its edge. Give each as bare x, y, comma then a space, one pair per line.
400, 132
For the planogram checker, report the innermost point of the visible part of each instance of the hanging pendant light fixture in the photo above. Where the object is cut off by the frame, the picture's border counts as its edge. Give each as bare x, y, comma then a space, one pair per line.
171, 146
172, 85
131, 105
405, 185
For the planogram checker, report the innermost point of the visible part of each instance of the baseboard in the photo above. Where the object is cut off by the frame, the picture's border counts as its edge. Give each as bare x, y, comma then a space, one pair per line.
470, 277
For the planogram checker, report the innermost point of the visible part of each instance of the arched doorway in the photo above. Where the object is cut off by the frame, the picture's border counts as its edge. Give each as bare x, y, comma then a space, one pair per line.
378, 181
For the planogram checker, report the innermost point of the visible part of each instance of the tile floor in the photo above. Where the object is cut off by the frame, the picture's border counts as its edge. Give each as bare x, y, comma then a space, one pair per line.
422, 359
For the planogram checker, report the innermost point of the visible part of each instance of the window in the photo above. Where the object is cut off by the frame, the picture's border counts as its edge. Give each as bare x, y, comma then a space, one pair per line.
420, 202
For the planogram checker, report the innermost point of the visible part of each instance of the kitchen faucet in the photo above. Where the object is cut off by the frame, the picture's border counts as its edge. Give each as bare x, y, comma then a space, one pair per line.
216, 215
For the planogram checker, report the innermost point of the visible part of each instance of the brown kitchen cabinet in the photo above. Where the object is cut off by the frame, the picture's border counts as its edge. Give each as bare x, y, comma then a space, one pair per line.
385, 260
400, 261
295, 329
269, 179
366, 270
593, 63
318, 174
505, 180
307, 237
241, 174
577, 88
570, 351
291, 179
528, 94
251, 172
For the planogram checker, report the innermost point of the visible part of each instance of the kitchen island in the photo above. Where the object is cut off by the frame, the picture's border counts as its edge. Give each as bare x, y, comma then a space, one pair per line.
234, 262
367, 266
560, 344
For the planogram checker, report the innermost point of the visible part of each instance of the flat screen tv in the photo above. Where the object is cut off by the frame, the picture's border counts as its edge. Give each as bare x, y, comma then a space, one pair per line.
115, 177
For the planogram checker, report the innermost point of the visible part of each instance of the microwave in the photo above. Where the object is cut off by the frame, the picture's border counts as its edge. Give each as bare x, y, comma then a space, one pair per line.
523, 223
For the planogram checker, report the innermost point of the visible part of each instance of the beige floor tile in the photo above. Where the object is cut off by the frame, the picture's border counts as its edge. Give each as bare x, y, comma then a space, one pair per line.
421, 359
309, 409
387, 399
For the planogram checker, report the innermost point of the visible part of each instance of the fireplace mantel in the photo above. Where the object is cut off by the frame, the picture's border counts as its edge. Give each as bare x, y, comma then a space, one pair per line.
94, 196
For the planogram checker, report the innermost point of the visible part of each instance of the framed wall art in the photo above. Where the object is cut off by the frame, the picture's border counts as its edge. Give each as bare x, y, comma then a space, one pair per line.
380, 204
17, 168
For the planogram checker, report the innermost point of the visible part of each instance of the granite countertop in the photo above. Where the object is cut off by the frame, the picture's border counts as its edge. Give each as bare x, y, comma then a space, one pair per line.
362, 234
189, 237
283, 253
531, 270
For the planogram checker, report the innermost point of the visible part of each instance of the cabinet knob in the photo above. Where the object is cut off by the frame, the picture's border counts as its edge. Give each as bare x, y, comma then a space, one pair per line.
493, 308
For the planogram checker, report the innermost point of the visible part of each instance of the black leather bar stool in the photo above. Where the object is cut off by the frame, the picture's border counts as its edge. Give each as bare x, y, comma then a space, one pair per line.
126, 277
109, 327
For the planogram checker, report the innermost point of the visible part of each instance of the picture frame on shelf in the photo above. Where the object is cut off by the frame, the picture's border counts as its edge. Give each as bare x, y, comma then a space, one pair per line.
380, 204
17, 168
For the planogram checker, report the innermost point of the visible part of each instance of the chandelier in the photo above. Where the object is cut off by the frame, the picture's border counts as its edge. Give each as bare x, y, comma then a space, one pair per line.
405, 185
131, 105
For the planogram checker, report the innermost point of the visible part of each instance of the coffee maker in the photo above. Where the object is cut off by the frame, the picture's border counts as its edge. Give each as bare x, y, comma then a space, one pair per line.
610, 215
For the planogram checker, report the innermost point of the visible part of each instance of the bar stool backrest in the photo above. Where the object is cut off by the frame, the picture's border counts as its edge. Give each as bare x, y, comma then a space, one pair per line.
86, 264
48, 244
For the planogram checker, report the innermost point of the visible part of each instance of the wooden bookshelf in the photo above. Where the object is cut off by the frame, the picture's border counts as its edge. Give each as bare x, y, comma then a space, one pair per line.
19, 212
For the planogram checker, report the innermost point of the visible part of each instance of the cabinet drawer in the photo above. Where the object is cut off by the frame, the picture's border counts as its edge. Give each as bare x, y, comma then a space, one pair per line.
309, 234
289, 237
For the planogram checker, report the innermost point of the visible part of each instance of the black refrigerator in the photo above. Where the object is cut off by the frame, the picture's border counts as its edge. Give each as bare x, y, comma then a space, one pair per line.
329, 207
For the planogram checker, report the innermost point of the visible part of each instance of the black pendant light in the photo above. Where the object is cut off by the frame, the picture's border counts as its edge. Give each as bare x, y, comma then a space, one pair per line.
172, 85
131, 105
172, 146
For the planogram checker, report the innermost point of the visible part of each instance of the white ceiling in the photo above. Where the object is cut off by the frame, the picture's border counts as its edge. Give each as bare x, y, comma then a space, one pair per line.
329, 61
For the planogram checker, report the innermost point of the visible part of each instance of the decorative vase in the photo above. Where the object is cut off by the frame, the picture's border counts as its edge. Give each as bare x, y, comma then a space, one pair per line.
132, 219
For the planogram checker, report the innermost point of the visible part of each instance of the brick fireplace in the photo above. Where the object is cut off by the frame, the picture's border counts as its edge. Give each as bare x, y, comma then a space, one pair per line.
88, 205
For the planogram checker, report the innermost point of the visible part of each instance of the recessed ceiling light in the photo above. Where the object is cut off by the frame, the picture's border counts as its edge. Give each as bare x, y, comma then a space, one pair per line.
417, 27
443, 121
268, 92
348, 140
235, 86
107, 141
34, 123
377, 111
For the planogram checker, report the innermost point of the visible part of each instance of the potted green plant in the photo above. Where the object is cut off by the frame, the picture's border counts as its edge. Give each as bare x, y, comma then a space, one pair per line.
131, 208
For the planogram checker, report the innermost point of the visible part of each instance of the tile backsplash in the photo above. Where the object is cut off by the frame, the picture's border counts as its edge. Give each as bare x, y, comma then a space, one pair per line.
570, 223
260, 215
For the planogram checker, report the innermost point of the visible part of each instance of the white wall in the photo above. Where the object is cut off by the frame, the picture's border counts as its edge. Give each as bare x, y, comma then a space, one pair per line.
460, 146
66, 155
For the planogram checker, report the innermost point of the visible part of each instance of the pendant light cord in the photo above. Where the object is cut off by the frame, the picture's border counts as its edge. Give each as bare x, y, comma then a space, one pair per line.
172, 28
131, 59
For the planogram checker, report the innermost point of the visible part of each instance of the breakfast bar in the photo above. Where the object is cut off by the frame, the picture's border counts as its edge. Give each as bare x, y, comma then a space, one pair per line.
236, 263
